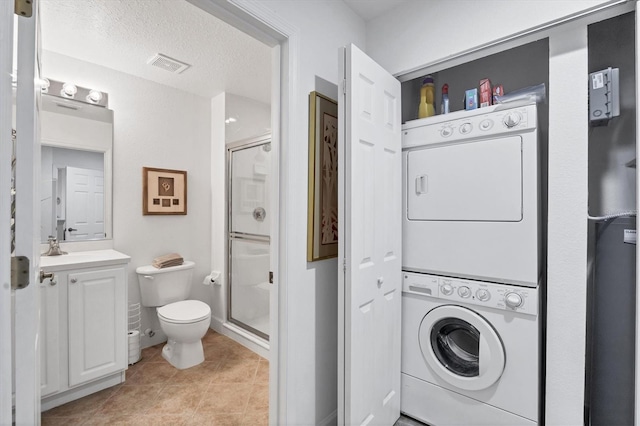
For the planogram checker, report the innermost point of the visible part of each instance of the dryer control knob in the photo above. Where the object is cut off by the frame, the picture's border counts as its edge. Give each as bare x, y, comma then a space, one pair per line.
513, 300
465, 128
464, 292
447, 289
512, 119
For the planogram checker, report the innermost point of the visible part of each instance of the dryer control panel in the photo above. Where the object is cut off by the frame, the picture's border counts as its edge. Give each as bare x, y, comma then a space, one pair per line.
498, 296
483, 123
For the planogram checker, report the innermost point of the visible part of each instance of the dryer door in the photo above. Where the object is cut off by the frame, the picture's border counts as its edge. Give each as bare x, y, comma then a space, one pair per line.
471, 181
461, 347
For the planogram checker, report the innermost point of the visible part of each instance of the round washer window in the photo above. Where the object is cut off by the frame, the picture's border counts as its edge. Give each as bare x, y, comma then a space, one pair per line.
461, 347
456, 344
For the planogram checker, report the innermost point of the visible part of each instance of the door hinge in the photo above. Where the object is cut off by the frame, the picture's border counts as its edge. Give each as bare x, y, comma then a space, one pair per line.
344, 87
344, 265
23, 8
19, 272
270, 277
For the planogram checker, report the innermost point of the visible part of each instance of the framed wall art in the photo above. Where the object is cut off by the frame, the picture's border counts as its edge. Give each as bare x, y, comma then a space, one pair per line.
164, 191
322, 227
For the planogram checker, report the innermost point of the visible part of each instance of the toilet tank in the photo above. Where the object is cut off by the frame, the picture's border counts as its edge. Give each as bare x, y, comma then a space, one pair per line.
159, 287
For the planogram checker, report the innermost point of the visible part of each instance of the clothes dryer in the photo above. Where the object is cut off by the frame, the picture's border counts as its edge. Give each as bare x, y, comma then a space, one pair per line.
470, 352
471, 195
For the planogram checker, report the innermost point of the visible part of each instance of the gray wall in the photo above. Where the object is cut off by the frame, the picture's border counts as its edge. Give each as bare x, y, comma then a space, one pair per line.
612, 184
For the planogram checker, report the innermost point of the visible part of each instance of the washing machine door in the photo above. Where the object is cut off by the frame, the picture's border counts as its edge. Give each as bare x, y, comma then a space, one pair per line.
461, 347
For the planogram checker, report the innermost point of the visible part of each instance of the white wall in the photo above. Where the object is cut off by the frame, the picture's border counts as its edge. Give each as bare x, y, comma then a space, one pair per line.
154, 126
421, 32
253, 118
218, 210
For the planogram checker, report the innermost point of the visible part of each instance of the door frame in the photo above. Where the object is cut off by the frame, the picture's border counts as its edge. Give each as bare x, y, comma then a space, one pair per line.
260, 22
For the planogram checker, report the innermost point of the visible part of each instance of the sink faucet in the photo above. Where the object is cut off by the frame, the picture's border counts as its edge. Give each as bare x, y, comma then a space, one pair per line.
54, 247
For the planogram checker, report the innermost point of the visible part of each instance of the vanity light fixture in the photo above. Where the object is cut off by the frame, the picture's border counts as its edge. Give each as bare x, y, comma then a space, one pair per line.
69, 90
94, 96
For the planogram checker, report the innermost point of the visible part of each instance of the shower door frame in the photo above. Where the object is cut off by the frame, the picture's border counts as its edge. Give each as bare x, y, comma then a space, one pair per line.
238, 236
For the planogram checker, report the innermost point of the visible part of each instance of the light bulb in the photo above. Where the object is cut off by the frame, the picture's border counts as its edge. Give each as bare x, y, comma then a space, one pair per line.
94, 96
69, 90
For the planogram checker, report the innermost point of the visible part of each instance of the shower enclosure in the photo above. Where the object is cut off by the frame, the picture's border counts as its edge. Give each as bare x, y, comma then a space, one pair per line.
248, 183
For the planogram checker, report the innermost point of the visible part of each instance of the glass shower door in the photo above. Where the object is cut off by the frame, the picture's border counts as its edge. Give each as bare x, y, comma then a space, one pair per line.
249, 288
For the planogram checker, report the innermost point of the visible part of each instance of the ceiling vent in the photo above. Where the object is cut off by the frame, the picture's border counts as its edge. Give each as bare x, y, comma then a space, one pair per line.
168, 64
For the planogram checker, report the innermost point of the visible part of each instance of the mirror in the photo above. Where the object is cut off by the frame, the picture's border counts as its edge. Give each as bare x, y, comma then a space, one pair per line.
76, 159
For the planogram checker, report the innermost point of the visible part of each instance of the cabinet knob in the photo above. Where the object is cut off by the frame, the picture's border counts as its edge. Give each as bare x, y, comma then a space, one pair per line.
73, 280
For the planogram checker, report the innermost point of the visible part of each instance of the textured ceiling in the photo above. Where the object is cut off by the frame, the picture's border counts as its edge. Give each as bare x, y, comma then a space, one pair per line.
370, 9
124, 34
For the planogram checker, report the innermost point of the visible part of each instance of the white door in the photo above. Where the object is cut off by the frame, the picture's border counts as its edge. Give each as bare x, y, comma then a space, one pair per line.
370, 243
84, 204
26, 309
6, 65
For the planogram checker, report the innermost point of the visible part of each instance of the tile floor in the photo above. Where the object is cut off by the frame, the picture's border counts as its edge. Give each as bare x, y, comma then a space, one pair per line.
231, 387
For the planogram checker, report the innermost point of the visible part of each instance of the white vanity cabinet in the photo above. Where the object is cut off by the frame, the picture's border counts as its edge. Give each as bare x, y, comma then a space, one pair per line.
83, 325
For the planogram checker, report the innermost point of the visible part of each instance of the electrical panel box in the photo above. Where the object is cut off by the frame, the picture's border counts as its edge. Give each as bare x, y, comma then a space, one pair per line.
604, 96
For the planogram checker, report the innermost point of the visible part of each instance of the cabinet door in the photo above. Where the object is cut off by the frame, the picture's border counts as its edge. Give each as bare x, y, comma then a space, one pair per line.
50, 336
97, 324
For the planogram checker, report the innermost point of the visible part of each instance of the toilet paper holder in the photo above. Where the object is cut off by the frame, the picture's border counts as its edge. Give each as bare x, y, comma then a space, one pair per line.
212, 278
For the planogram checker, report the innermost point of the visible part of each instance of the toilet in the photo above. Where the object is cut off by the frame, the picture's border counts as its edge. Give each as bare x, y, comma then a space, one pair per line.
185, 322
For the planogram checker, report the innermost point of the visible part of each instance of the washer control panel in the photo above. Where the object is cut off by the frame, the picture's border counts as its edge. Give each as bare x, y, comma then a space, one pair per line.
498, 296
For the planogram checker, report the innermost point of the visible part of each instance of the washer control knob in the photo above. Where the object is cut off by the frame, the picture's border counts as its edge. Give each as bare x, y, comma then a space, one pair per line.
446, 132
465, 128
464, 292
512, 119
483, 295
447, 289
513, 300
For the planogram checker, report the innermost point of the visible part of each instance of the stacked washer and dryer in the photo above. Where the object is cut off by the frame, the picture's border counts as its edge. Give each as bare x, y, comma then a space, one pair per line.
471, 268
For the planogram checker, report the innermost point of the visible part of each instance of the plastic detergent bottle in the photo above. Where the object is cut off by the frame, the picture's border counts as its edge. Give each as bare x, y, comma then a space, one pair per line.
427, 106
444, 108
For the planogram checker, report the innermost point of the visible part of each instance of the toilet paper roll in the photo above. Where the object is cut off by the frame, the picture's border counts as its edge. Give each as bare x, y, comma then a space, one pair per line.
212, 278
135, 352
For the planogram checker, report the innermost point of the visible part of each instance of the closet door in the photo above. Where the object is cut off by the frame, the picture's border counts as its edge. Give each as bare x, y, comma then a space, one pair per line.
370, 243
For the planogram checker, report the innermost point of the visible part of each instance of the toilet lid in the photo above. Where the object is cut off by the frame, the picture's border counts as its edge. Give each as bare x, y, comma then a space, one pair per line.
185, 311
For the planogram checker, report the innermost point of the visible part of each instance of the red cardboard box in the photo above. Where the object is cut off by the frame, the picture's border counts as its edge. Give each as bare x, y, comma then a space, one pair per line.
485, 92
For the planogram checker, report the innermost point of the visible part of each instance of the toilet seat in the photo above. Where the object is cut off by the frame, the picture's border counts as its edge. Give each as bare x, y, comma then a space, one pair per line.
184, 312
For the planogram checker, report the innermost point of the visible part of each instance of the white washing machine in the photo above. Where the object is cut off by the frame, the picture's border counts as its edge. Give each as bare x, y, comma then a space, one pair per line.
471, 195
470, 352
